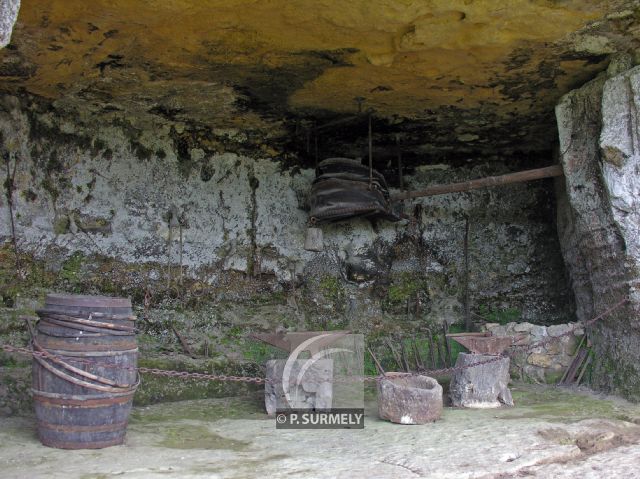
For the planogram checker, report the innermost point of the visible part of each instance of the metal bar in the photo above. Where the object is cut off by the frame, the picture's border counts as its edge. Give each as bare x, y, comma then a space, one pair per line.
370, 153
338, 122
467, 306
400, 177
519, 177
482, 335
316, 152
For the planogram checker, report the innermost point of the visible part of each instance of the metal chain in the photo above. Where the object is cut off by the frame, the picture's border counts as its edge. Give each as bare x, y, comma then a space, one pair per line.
261, 380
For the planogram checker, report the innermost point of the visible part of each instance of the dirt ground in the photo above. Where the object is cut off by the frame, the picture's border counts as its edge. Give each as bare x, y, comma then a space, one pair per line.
550, 433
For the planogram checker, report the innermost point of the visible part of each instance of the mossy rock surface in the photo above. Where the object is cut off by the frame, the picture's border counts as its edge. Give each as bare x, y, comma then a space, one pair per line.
15, 391
155, 388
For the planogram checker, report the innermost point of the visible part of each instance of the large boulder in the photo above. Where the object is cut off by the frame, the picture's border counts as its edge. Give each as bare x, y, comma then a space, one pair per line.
599, 219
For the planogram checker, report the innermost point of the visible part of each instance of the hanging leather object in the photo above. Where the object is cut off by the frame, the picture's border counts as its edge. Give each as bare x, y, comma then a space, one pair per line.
344, 189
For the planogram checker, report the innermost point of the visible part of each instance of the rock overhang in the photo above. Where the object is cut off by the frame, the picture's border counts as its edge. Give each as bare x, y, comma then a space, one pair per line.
445, 78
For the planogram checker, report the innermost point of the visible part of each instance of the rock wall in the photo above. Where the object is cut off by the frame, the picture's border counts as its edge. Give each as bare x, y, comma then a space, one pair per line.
206, 235
228, 226
541, 364
8, 16
598, 219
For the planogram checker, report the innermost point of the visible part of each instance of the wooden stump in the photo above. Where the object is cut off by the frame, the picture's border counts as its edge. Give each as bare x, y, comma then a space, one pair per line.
409, 399
483, 386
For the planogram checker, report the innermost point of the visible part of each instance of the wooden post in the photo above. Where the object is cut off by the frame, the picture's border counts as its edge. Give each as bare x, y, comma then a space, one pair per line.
370, 153
519, 177
432, 349
467, 307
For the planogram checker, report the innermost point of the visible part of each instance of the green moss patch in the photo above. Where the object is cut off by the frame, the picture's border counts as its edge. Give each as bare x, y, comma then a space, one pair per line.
157, 388
249, 406
564, 405
190, 436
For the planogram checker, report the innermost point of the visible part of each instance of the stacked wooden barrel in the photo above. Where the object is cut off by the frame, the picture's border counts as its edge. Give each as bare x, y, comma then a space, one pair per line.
85, 375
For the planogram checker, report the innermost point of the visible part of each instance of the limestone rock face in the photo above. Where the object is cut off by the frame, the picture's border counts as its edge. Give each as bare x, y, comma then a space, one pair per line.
483, 386
115, 191
8, 16
620, 148
599, 222
470, 73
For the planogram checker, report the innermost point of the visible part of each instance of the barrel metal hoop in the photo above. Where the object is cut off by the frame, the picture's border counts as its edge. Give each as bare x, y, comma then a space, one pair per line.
88, 314
78, 382
79, 300
81, 347
118, 426
90, 354
86, 334
80, 323
78, 371
80, 327
98, 400
81, 445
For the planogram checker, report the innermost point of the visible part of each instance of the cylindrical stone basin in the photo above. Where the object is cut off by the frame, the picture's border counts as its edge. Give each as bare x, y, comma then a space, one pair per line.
405, 399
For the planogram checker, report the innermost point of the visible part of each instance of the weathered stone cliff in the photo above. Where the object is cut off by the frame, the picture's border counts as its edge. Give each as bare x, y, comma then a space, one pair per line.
8, 16
598, 219
98, 192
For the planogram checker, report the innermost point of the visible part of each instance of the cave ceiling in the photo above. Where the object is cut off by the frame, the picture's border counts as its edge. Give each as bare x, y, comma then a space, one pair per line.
440, 76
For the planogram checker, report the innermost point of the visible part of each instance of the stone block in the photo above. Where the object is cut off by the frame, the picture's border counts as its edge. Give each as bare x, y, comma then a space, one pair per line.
533, 374
540, 360
519, 357
564, 360
569, 345
539, 332
498, 330
409, 399
558, 329
510, 328
555, 347
523, 327
314, 390
483, 386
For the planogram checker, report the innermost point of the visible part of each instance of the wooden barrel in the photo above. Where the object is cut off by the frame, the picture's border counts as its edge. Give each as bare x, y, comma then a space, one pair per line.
85, 377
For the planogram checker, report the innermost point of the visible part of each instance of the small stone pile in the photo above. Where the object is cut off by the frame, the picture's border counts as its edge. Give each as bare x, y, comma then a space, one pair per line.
543, 364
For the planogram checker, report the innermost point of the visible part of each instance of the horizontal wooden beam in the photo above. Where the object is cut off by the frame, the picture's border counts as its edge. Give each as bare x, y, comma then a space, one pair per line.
510, 178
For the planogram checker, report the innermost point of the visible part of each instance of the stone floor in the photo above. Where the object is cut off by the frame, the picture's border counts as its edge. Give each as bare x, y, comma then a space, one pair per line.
550, 433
